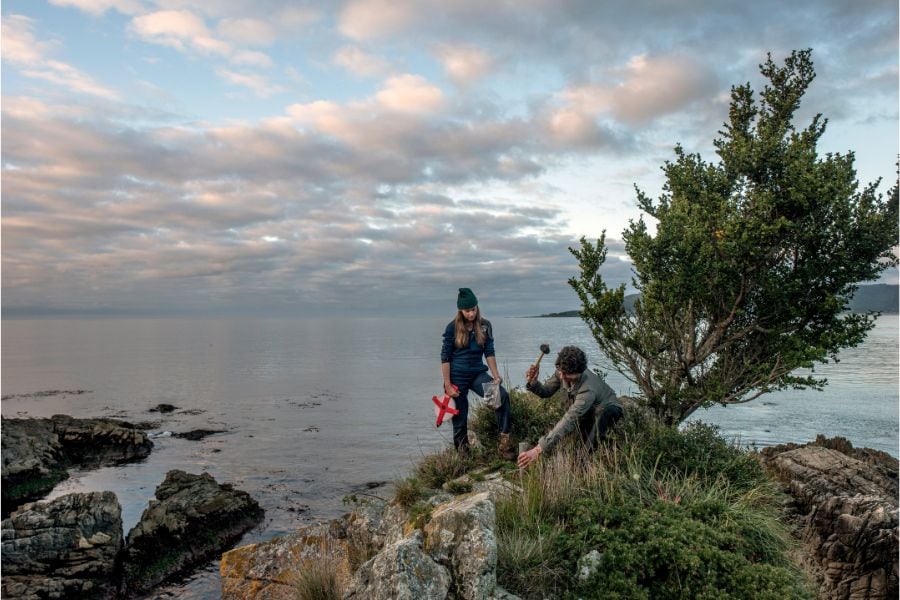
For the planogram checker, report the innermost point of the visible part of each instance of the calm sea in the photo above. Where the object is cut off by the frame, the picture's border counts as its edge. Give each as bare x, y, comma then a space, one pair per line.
315, 409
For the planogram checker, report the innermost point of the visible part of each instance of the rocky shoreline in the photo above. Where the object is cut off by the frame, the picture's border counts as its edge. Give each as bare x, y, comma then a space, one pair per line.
74, 546
842, 504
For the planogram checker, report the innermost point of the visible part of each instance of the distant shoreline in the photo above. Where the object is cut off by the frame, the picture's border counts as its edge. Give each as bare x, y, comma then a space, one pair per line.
878, 297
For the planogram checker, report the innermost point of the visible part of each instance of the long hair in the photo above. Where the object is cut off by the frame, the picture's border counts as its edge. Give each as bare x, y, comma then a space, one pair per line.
462, 330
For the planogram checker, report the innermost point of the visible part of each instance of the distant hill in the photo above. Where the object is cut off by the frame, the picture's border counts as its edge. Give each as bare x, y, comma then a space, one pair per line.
881, 297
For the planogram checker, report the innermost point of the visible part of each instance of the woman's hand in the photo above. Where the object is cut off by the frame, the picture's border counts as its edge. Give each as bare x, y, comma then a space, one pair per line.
532, 373
451, 390
497, 379
527, 457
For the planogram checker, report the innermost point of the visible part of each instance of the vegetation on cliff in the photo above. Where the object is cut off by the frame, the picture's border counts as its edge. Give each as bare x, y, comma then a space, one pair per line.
657, 512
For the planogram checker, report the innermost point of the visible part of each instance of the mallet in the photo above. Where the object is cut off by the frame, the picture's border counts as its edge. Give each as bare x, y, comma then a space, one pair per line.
545, 349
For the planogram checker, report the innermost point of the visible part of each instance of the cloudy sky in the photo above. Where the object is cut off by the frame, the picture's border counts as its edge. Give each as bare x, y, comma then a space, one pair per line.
371, 156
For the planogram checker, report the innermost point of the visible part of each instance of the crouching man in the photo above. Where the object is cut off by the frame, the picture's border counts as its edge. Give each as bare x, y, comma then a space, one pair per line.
592, 406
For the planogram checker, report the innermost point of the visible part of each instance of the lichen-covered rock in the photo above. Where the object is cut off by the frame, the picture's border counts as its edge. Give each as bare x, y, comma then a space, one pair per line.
192, 520
849, 515
401, 571
65, 548
37, 452
270, 570
371, 526
460, 536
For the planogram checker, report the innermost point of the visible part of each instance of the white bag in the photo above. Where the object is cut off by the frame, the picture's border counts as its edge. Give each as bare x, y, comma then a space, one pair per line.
491, 394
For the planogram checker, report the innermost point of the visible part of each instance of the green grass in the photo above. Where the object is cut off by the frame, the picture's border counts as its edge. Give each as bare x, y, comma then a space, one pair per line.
671, 513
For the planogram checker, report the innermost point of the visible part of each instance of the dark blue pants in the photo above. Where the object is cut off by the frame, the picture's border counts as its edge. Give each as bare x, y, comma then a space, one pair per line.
461, 421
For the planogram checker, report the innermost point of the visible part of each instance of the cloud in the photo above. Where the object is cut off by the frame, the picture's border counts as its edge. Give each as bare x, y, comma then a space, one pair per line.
646, 88
98, 7
411, 94
28, 55
259, 85
179, 29
253, 32
465, 65
366, 19
359, 62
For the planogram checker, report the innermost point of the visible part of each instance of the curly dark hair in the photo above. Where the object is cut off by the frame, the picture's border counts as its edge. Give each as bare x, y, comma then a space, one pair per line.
571, 360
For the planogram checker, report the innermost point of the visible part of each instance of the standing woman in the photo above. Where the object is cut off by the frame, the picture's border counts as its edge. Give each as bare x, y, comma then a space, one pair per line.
467, 338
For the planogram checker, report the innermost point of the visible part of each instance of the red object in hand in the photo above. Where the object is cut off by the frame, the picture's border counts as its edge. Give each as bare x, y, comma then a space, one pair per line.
443, 406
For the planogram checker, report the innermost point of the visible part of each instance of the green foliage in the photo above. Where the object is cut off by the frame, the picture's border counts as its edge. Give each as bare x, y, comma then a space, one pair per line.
752, 262
436, 469
420, 514
673, 514
457, 487
531, 417
698, 448
408, 492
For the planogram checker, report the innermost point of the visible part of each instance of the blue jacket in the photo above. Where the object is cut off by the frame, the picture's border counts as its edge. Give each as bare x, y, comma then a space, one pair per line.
466, 362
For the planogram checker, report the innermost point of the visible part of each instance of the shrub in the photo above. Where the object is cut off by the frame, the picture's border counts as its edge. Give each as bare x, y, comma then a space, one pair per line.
408, 492
673, 514
531, 418
436, 469
318, 580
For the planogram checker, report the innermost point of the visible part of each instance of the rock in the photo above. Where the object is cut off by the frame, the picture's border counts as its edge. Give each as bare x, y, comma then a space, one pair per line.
460, 536
37, 452
401, 571
849, 515
370, 527
100, 442
273, 570
192, 520
163, 408
65, 548
198, 434
496, 487
33, 461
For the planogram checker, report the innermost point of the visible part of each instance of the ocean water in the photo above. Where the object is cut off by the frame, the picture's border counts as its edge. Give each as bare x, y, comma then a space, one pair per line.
315, 409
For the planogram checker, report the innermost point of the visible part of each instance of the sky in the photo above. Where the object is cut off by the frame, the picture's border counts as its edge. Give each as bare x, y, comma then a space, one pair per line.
370, 157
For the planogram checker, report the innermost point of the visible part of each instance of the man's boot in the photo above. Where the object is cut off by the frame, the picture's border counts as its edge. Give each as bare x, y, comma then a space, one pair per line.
505, 447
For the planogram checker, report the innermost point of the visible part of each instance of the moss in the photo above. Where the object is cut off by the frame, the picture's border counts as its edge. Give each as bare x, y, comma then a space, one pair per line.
15, 493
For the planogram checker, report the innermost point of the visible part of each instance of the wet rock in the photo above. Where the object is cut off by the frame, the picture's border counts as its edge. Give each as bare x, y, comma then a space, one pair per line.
272, 570
460, 536
198, 434
163, 408
848, 515
38, 452
33, 461
401, 571
65, 548
192, 520
100, 442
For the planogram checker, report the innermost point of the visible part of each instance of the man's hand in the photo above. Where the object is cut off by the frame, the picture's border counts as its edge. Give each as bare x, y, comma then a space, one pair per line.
451, 390
532, 373
527, 457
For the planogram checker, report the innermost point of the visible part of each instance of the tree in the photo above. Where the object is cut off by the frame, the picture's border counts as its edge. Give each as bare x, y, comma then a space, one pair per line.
752, 264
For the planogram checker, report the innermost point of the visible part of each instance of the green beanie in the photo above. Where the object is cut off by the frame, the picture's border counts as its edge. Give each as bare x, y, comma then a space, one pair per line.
466, 299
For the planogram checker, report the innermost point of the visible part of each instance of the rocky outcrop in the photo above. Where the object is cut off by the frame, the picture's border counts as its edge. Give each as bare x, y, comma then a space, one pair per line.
460, 536
402, 570
376, 552
271, 570
66, 548
33, 461
192, 520
845, 503
37, 452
